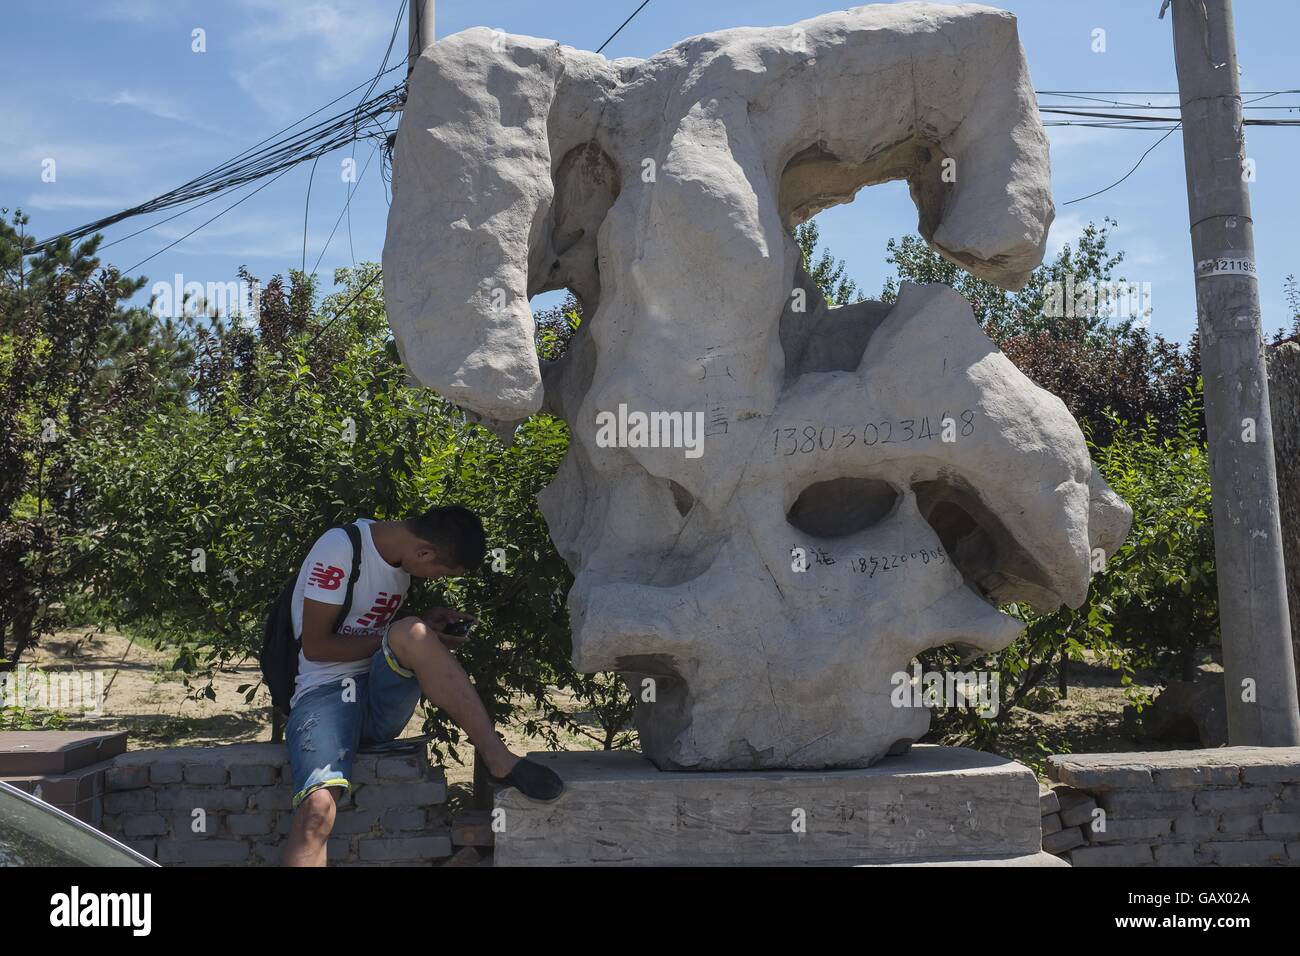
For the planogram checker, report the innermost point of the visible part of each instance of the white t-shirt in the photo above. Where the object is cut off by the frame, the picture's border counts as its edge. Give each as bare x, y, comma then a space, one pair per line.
379, 592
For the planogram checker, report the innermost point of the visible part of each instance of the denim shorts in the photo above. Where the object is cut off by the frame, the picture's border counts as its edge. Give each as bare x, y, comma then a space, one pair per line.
331, 721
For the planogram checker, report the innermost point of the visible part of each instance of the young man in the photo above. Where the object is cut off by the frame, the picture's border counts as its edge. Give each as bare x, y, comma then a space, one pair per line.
361, 684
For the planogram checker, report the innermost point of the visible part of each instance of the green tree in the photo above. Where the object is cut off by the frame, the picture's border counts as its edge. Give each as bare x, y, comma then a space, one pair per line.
830, 274
300, 421
71, 355
1063, 329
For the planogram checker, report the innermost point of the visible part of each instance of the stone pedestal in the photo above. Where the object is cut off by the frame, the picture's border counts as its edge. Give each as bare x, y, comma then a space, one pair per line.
933, 805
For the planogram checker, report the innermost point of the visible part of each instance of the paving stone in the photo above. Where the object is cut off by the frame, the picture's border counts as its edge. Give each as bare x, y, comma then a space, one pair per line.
145, 825
1063, 840
253, 775
126, 778
1048, 802
1281, 824
1248, 852
1144, 803
1113, 855
424, 849
1239, 824
1128, 830
1245, 798
1193, 825
130, 801
249, 824
205, 774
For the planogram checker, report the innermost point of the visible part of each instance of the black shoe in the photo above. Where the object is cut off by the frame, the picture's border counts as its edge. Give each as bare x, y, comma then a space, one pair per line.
532, 780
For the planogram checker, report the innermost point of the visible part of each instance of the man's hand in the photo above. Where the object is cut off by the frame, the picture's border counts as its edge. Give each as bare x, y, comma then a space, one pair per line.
440, 617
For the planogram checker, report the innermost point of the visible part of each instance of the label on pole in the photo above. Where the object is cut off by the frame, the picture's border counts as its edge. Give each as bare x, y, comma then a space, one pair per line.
1227, 264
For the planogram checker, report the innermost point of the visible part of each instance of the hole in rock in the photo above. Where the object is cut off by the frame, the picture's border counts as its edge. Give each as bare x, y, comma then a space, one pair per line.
842, 506
682, 498
828, 320
557, 316
990, 559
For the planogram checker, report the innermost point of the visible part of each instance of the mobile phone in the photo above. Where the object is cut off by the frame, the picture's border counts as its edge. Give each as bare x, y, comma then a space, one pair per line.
457, 629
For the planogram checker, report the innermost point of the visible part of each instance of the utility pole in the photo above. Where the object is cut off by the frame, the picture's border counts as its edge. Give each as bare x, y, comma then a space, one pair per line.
419, 22
1256, 631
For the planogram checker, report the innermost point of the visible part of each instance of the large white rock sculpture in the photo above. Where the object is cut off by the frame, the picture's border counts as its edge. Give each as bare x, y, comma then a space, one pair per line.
892, 450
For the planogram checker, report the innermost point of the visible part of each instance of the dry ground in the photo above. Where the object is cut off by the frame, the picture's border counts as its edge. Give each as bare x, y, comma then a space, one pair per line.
150, 701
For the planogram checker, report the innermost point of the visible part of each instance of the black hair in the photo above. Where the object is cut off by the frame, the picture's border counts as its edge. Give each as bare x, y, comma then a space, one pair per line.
455, 532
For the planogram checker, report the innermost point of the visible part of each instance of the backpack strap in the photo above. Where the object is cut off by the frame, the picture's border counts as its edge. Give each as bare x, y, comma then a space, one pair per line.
354, 535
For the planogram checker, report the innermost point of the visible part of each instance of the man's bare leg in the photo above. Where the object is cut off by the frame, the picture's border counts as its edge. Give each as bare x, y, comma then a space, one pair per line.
446, 685
313, 822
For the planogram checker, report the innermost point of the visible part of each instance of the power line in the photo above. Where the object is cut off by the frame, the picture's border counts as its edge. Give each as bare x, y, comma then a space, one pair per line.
283, 153
1129, 173
601, 48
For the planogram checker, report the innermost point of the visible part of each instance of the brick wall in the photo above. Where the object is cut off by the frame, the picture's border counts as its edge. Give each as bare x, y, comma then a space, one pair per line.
231, 805
1233, 806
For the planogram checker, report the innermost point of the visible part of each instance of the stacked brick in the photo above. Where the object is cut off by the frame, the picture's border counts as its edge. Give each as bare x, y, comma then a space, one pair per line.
1233, 806
66, 769
231, 805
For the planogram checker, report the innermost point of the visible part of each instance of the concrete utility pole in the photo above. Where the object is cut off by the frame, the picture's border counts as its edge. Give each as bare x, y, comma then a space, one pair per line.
419, 22
1253, 619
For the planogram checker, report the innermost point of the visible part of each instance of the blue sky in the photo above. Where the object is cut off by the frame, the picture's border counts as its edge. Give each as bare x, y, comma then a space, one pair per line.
113, 92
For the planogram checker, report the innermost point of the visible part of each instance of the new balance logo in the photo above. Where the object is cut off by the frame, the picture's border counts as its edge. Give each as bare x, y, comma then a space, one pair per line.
383, 609
325, 576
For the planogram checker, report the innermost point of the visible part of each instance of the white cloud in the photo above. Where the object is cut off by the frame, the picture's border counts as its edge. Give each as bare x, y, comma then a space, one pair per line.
288, 50
55, 201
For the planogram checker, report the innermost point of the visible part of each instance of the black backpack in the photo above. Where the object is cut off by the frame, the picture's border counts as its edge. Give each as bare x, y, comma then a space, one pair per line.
280, 645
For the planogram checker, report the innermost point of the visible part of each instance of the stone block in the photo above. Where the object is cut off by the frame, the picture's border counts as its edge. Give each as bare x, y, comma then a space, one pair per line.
1192, 826
384, 795
402, 818
1051, 824
204, 852
210, 799
1239, 824
1179, 854
1063, 840
205, 774
1130, 830
354, 821
1113, 855
250, 824
1048, 802
274, 797
56, 752
130, 801
130, 777
145, 825
1281, 824
1076, 807
1129, 803
166, 770
1196, 778
253, 775
1247, 852
1097, 772
1241, 799
422, 849
404, 767
618, 809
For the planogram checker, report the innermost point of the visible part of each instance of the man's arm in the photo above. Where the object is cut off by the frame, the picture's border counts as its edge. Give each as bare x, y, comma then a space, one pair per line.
319, 642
